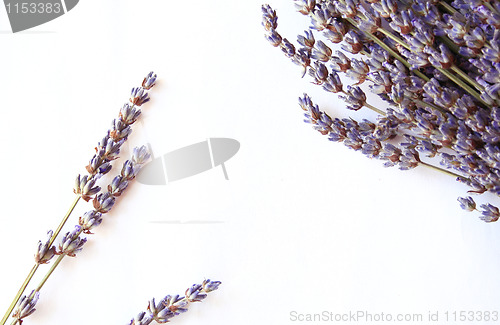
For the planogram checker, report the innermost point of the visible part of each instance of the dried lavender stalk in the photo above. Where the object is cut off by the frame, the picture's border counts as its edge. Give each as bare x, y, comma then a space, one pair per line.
438, 72
72, 242
171, 306
85, 186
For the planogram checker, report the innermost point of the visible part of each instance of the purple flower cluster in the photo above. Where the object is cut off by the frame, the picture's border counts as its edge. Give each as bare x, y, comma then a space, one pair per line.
108, 148
171, 306
437, 67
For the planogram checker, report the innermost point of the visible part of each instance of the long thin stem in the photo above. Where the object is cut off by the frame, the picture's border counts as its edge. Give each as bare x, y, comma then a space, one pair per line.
449, 8
462, 84
373, 108
49, 273
447, 172
63, 221
466, 77
35, 267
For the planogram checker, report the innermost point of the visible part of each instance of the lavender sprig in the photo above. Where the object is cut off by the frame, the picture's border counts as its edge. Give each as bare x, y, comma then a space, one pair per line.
171, 306
100, 164
73, 242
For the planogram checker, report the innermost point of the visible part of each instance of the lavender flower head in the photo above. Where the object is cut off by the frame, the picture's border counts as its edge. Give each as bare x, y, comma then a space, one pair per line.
85, 186
72, 243
26, 306
44, 253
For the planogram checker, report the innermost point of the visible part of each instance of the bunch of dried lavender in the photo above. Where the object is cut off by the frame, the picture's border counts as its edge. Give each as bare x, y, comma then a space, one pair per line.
437, 66
86, 188
171, 306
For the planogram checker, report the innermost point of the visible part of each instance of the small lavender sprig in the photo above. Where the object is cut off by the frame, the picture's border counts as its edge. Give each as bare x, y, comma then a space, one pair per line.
85, 186
171, 306
72, 242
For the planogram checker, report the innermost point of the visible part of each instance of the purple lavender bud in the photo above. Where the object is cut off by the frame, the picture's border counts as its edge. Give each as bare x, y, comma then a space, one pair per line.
475, 39
352, 43
140, 155
85, 186
307, 41
209, 285
321, 52
103, 202
194, 293
302, 58
320, 19
348, 8
358, 71
44, 253
467, 203
493, 53
440, 59
428, 147
382, 83
160, 312
490, 213
128, 171
336, 31
141, 319
288, 48
117, 186
319, 72
139, 96
90, 220
370, 23
333, 83
269, 18
274, 38
305, 7
94, 164
390, 153
149, 81
385, 7
355, 97
119, 130
340, 63
371, 148
175, 304
108, 148
26, 306
72, 243
129, 114
402, 23
492, 18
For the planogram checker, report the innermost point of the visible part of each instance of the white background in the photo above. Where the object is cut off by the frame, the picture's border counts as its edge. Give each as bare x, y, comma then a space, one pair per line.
303, 224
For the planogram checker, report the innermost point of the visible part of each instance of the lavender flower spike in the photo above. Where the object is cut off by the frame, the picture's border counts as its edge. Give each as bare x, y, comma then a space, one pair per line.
171, 306
25, 307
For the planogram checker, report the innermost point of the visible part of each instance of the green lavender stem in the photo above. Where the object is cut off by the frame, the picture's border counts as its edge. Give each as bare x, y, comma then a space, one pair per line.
445, 171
